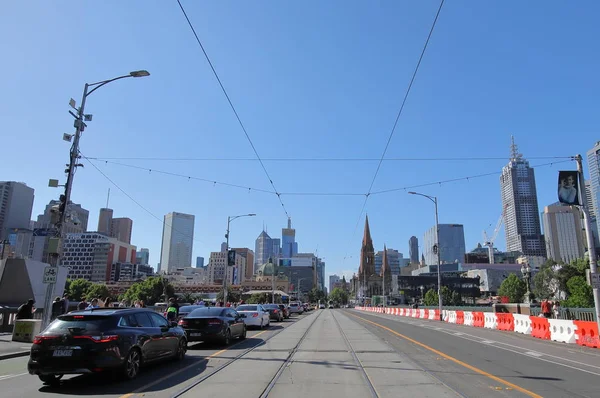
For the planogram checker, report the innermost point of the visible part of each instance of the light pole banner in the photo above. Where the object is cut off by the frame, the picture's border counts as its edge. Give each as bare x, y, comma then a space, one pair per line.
231, 258
568, 188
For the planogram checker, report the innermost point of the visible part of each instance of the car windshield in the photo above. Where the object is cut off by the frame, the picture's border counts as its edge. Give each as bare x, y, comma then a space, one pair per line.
247, 308
80, 323
190, 308
206, 311
271, 306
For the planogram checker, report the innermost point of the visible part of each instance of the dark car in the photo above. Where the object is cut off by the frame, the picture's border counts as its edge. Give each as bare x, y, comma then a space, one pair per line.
284, 309
274, 311
96, 340
213, 324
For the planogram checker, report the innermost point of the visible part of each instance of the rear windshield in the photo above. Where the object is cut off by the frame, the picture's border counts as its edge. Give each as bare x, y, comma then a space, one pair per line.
206, 311
246, 308
190, 308
271, 306
80, 324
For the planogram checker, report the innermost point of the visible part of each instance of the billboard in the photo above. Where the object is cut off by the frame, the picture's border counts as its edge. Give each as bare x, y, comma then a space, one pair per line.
285, 262
568, 188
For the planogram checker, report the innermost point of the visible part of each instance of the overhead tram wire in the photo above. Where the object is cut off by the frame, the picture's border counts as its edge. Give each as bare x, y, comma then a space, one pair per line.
136, 202
232, 106
412, 80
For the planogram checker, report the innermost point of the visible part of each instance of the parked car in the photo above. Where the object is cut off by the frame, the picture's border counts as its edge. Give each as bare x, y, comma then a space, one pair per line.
101, 339
274, 311
285, 310
296, 308
184, 310
254, 315
213, 323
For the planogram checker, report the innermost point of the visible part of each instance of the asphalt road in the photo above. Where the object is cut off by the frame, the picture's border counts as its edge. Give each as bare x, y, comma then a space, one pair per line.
479, 362
162, 379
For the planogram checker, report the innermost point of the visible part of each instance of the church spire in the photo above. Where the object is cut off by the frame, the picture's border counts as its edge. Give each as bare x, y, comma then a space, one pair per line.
367, 234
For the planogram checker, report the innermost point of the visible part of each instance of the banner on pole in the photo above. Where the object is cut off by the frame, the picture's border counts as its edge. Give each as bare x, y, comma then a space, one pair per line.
568, 188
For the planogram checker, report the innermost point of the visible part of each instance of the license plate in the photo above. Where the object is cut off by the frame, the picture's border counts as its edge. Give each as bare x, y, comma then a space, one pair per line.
195, 334
62, 353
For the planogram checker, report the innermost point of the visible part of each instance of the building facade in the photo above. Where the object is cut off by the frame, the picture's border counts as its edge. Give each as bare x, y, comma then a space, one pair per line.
177, 241
452, 244
249, 256
265, 248
121, 229
217, 268
413, 250
105, 218
333, 279
289, 247
142, 257
394, 258
121, 272
519, 201
563, 231
199, 262
76, 221
16, 203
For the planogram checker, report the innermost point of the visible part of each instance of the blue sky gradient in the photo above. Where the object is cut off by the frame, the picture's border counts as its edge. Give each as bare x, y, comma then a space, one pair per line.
309, 80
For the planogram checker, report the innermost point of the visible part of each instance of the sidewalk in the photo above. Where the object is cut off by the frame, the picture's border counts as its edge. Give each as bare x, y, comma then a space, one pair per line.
12, 349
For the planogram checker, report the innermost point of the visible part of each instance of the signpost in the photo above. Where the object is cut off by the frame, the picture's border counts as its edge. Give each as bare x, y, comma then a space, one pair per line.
50, 273
595, 279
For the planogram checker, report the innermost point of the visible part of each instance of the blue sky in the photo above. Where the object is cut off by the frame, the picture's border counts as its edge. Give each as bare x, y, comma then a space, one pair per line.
309, 80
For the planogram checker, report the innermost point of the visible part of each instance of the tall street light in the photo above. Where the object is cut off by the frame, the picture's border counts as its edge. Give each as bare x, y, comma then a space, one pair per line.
79, 124
229, 220
436, 249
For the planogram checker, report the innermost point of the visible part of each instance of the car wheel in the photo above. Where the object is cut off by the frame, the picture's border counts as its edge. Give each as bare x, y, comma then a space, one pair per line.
227, 338
50, 380
132, 364
181, 349
243, 335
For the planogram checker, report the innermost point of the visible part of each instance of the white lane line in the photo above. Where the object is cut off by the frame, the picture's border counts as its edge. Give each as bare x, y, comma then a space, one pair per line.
6, 377
457, 333
534, 354
487, 341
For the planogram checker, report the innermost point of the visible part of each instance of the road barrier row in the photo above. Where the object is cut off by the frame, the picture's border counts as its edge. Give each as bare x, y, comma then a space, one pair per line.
583, 333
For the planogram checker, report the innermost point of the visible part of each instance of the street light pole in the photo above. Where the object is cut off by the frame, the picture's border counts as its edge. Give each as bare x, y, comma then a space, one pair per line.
437, 249
73, 164
229, 220
589, 236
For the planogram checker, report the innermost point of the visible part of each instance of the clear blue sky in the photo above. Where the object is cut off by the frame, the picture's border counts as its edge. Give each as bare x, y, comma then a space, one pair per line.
310, 79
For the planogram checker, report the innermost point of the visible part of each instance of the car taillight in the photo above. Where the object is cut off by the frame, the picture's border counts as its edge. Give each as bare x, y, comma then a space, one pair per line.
276, 311
214, 322
254, 315
182, 322
100, 339
40, 339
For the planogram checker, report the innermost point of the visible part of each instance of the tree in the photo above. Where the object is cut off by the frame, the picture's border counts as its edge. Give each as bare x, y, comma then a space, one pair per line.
580, 293
514, 288
232, 295
545, 281
316, 294
257, 298
150, 291
456, 298
431, 298
339, 296
97, 290
77, 289
567, 271
188, 297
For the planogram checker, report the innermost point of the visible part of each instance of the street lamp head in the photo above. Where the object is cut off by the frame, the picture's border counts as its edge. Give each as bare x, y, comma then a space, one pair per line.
139, 73
412, 192
251, 215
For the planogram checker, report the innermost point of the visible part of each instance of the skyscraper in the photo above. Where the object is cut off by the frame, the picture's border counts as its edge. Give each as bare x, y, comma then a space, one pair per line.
16, 202
77, 217
413, 250
249, 256
452, 244
289, 247
563, 232
593, 159
393, 260
177, 241
120, 229
266, 247
143, 257
519, 198
105, 218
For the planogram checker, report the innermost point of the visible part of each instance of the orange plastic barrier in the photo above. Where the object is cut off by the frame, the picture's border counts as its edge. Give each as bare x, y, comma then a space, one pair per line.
437, 315
478, 319
540, 328
506, 322
587, 334
460, 317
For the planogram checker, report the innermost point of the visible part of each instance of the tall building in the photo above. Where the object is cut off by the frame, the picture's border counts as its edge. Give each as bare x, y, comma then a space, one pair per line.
333, 279
121, 229
563, 232
593, 160
142, 257
77, 217
177, 241
589, 199
386, 273
105, 218
16, 202
217, 267
248, 254
452, 244
394, 258
519, 199
266, 247
199, 262
413, 250
289, 247
320, 274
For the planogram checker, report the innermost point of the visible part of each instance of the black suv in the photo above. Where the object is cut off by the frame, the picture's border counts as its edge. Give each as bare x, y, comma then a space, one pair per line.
100, 339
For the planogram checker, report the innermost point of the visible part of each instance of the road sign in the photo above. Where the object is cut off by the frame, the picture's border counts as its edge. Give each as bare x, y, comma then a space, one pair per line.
50, 274
595, 278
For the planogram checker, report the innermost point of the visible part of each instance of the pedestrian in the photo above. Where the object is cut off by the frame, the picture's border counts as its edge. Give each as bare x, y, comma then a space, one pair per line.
26, 310
173, 303
58, 308
82, 305
66, 303
93, 304
556, 309
172, 311
546, 308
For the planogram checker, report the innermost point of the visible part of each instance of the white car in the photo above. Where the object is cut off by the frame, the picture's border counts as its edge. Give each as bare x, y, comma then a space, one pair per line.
254, 315
296, 308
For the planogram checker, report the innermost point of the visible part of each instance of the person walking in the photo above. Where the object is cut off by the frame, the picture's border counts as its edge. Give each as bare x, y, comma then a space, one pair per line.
26, 310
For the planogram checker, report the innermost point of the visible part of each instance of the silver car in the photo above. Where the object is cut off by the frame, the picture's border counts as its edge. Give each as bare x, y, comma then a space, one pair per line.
296, 308
254, 315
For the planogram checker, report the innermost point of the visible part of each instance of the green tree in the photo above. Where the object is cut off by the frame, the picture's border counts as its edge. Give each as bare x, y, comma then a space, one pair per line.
446, 296
257, 298
339, 296
431, 298
188, 297
514, 288
580, 293
316, 294
232, 295
77, 289
97, 290
456, 298
545, 281
151, 291
567, 271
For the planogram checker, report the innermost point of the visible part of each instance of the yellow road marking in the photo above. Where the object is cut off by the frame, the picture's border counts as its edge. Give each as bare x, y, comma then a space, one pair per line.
457, 361
155, 382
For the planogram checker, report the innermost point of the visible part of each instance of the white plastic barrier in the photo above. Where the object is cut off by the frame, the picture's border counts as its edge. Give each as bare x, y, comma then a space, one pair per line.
422, 314
25, 330
451, 317
522, 323
490, 320
445, 315
431, 314
563, 330
468, 318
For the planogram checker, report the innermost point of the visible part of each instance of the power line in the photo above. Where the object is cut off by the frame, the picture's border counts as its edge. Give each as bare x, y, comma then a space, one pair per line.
232, 106
433, 159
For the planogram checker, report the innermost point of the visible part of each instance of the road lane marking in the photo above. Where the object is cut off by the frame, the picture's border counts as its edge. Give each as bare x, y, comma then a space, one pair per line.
534, 354
6, 377
455, 360
216, 354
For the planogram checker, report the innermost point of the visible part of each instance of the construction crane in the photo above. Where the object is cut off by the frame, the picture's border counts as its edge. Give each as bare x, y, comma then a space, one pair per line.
489, 242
